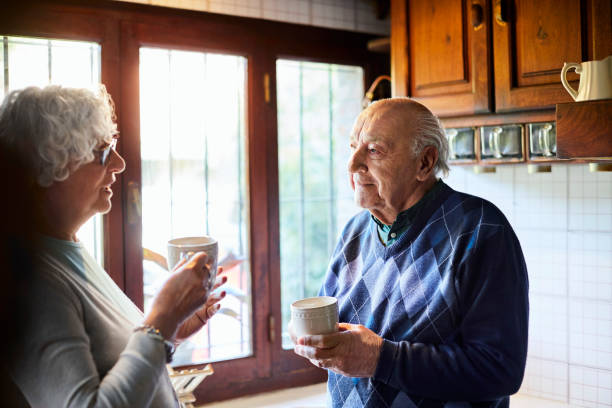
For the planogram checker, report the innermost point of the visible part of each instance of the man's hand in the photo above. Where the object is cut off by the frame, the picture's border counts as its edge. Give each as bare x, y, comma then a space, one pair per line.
352, 352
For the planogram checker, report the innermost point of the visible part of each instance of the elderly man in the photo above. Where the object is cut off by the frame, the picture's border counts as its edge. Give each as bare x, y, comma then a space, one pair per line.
431, 283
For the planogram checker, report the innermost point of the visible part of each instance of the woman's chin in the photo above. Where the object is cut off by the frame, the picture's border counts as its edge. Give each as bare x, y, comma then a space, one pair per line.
104, 207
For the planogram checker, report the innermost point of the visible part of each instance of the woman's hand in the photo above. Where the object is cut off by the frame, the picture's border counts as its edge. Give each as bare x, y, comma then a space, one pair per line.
183, 293
200, 317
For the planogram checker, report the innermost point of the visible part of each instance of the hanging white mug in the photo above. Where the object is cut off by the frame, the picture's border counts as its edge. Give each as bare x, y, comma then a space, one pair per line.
595, 79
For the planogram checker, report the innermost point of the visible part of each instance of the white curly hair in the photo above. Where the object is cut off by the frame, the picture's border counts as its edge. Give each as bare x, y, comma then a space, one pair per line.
56, 129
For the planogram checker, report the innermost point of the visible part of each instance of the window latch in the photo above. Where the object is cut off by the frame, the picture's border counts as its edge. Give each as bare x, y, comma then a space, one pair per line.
271, 329
266, 87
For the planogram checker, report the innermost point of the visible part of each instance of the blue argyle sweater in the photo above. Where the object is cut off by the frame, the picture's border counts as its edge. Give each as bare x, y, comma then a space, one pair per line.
449, 298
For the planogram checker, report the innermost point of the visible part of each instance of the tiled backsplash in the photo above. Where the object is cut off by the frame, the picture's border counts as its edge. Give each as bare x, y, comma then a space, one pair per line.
564, 222
352, 15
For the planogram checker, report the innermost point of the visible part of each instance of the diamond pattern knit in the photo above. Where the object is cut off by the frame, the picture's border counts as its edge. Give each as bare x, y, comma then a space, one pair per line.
450, 299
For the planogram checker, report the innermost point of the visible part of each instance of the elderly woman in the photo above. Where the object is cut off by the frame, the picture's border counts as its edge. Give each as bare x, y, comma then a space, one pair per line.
85, 343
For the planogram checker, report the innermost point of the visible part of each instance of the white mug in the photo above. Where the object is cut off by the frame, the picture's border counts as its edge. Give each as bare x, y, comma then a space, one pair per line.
595, 79
314, 315
179, 248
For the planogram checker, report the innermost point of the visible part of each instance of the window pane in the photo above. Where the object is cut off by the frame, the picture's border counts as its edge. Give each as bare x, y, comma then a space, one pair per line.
28, 61
317, 105
194, 181
3, 50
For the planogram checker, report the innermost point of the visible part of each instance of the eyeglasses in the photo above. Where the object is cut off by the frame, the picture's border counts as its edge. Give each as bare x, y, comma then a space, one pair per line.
105, 153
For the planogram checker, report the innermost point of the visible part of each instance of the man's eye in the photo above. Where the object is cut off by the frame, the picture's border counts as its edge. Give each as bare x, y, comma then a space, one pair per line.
372, 150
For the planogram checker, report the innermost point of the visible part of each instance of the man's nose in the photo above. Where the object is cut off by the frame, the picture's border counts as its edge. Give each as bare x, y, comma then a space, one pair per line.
356, 162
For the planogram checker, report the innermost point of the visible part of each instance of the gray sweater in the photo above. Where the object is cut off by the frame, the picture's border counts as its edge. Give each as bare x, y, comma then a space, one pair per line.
79, 349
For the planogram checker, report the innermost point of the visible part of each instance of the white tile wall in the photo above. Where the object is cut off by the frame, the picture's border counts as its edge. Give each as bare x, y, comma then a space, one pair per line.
564, 222
546, 379
352, 15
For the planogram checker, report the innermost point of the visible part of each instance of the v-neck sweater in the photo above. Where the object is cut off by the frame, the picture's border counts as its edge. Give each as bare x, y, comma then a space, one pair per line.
450, 300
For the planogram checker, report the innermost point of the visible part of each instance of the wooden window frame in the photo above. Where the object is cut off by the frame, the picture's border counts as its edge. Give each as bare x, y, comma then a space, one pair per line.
121, 29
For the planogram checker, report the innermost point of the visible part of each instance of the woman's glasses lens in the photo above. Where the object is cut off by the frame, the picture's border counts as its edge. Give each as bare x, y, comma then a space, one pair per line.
105, 153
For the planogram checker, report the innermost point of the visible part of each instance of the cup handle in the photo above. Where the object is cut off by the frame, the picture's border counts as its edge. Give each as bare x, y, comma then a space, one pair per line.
566, 67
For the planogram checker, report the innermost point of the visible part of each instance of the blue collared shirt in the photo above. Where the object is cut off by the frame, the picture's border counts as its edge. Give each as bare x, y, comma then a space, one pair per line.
388, 234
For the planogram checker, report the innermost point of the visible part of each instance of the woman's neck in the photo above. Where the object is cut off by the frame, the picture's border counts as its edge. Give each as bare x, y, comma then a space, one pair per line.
58, 222
57, 230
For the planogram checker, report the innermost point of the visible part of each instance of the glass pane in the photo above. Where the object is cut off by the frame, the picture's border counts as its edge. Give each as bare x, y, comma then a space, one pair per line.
317, 105
3, 50
28, 61
74, 64
194, 181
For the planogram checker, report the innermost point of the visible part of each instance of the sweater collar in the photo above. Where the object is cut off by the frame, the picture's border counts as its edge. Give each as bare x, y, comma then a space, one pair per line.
390, 233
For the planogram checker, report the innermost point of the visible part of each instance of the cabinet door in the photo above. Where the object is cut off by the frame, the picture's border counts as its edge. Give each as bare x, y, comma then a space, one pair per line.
532, 40
447, 52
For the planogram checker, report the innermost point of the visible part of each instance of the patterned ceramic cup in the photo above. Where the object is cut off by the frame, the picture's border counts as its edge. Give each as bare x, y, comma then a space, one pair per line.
179, 248
315, 315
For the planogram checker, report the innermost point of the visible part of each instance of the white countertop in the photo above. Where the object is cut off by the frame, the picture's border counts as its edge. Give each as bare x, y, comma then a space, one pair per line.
310, 396
313, 396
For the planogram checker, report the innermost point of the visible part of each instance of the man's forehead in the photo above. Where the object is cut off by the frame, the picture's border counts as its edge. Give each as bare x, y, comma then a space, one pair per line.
384, 126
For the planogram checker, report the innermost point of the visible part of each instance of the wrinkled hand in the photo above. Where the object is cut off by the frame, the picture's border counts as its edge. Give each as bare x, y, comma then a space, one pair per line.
352, 352
184, 292
200, 317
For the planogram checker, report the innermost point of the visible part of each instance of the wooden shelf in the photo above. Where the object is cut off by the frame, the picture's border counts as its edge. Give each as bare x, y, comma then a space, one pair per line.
493, 119
584, 130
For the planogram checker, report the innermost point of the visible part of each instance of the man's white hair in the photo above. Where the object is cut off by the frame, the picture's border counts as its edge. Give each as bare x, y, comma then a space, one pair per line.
431, 133
56, 129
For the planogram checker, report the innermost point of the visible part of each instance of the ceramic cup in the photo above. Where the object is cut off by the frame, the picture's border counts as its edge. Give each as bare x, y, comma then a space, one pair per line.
315, 315
180, 248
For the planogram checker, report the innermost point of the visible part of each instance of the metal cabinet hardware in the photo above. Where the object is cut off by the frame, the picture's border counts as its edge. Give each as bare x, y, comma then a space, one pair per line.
501, 142
542, 139
477, 16
500, 9
494, 142
461, 143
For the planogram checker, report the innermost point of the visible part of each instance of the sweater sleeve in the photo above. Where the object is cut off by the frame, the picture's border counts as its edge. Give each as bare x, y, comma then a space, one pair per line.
56, 366
485, 358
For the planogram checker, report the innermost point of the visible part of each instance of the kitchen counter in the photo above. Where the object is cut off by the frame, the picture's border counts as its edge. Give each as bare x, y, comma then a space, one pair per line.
313, 396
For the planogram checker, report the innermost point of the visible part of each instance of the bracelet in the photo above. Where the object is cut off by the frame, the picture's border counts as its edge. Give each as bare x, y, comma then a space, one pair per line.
156, 334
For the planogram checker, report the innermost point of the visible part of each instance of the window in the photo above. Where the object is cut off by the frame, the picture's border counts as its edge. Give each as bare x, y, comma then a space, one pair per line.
192, 121
317, 105
26, 61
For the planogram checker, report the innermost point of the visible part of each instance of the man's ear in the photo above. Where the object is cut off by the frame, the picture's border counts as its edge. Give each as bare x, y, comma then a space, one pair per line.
427, 161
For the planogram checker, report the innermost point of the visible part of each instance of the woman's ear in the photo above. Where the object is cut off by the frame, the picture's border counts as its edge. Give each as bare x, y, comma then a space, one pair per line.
427, 162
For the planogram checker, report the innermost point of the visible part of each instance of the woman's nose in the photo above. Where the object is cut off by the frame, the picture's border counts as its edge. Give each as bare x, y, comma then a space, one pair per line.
116, 164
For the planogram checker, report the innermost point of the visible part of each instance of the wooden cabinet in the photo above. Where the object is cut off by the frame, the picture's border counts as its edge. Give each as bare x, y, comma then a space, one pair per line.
532, 40
584, 129
440, 51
